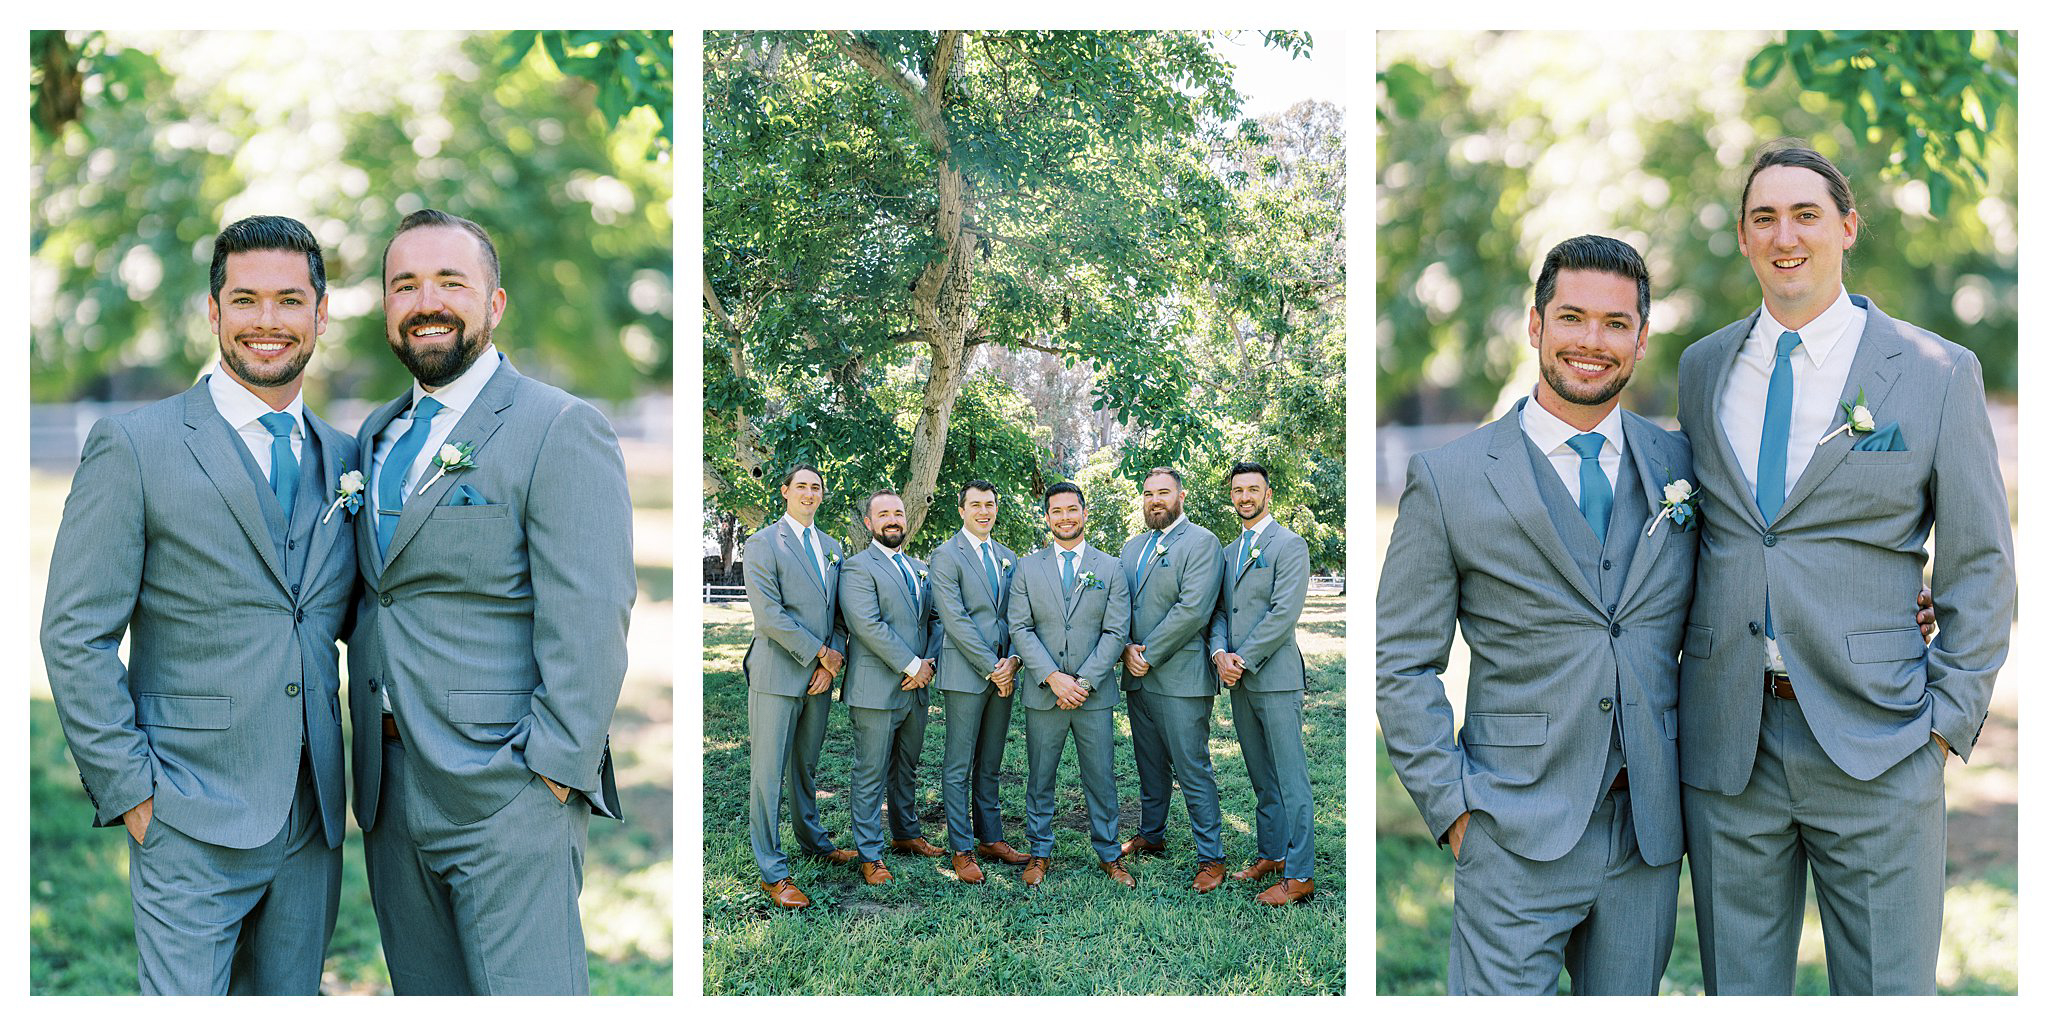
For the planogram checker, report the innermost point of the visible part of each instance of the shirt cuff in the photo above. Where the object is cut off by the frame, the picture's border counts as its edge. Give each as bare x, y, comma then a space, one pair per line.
915, 664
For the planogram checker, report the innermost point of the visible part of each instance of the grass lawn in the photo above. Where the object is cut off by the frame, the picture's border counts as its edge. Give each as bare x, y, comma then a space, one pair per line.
1079, 933
81, 927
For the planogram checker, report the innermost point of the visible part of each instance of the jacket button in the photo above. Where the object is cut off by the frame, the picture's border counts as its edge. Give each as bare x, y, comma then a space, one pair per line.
1607, 705
1770, 540
1755, 627
301, 616
1610, 609
373, 684
1614, 631
291, 690
1607, 564
384, 599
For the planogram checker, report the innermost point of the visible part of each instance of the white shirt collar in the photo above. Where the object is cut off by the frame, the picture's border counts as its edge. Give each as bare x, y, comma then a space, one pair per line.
1259, 525
887, 553
796, 528
974, 544
1169, 529
456, 396
241, 408
1817, 339
1551, 433
1080, 550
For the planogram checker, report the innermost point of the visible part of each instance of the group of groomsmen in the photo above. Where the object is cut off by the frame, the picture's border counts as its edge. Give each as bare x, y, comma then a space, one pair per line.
1178, 611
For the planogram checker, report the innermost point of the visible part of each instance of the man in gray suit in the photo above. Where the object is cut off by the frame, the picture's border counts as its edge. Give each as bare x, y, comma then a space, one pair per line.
1173, 572
1069, 612
1546, 536
1251, 641
970, 581
799, 646
196, 525
889, 617
490, 643
1829, 438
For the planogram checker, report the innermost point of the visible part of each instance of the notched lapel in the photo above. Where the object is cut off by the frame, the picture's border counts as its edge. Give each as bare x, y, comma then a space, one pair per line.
1514, 481
210, 441
1723, 363
477, 426
793, 549
1651, 468
1875, 370
332, 445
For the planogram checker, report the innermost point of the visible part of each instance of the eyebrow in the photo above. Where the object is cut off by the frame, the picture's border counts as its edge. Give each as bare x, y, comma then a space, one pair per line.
445, 272
1765, 208
1568, 308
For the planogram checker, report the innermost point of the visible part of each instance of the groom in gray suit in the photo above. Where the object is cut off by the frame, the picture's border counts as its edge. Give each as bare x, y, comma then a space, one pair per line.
1173, 572
1829, 438
490, 642
1545, 535
1251, 642
1068, 618
799, 646
978, 675
198, 526
894, 630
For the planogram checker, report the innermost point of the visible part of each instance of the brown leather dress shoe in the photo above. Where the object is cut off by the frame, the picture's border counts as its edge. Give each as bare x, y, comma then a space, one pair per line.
875, 874
1116, 872
1210, 877
783, 894
1138, 845
1001, 852
1260, 867
1034, 872
965, 868
837, 856
1287, 892
917, 846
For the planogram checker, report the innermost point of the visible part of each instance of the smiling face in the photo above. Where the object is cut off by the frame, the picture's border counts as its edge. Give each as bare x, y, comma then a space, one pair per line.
268, 322
1164, 501
886, 521
800, 497
1248, 496
978, 512
1587, 343
1067, 517
1795, 238
440, 303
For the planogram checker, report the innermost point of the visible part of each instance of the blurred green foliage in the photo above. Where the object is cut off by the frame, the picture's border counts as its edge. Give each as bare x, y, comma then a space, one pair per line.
135, 167
1493, 148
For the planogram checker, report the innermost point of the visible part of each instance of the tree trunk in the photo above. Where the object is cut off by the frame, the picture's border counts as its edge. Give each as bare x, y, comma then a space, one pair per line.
942, 304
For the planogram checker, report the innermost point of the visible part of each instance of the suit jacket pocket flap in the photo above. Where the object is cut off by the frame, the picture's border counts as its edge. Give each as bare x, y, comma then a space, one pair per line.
1699, 641
488, 706
1886, 646
191, 712
1506, 728
488, 511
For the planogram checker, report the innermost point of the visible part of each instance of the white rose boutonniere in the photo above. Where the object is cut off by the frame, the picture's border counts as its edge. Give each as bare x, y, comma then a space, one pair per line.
348, 492
832, 558
450, 458
1006, 566
1856, 420
1681, 504
1088, 580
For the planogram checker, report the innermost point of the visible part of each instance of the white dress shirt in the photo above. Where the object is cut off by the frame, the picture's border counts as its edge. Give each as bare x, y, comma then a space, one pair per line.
1820, 370
1552, 434
244, 412
817, 542
1158, 545
889, 555
979, 546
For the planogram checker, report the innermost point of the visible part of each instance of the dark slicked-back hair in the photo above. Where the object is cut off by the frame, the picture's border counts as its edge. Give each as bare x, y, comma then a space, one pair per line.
431, 218
790, 475
1156, 471
268, 232
978, 485
1795, 153
1062, 488
1595, 253
1247, 467
869, 506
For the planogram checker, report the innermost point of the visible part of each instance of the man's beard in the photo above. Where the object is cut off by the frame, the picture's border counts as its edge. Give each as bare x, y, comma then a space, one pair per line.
1070, 533
436, 367
1158, 519
265, 375
892, 536
1573, 393
1255, 514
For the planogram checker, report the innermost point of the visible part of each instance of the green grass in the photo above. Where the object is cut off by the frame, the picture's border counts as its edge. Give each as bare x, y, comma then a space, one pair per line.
81, 925
1079, 933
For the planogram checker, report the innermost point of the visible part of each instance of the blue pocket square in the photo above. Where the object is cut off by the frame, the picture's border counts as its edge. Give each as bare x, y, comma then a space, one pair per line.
467, 496
1884, 439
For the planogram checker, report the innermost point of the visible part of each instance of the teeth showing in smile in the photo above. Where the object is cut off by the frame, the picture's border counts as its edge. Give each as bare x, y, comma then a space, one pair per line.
1587, 368
267, 347
431, 330
1788, 263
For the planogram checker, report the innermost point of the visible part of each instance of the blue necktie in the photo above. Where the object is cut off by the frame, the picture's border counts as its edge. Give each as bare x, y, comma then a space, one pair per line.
284, 467
811, 553
988, 562
908, 580
1149, 551
1067, 573
1596, 496
1244, 549
391, 479
1770, 454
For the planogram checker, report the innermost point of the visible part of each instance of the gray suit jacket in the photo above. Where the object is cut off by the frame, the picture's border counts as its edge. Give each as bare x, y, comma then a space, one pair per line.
974, 623
499, 629
1171, 604
886, 626
1079, 632
1843, 562
1257, 608
230, 663
795, 612
1474, 547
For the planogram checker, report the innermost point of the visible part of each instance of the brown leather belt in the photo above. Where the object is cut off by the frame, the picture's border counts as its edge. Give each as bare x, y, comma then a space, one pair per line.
391, 729
1620, 780
1778, 685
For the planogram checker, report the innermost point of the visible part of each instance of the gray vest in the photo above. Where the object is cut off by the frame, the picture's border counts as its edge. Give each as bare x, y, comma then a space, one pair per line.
293, 539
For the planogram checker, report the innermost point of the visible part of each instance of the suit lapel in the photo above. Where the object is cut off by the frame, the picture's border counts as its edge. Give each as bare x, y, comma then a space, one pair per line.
792, 545
369, 561
210, 441
970, 557
1874, 370
477, 425
1165, 543
1652, 469
1073, 594
1514, 481
1723, 362
332, 445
